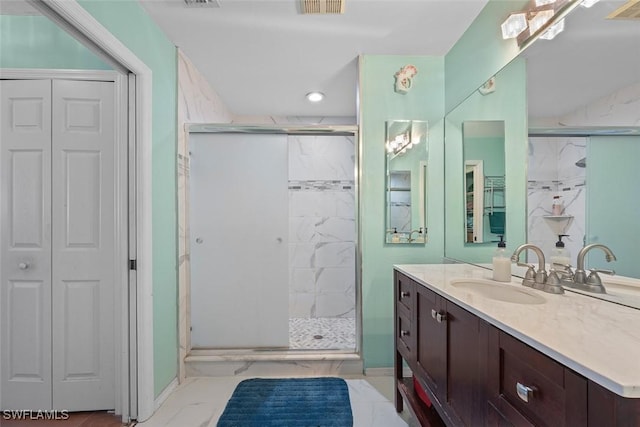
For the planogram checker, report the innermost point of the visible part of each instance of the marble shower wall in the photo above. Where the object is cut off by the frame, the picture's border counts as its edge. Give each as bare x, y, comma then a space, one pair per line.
552, 168
322, 233
553, 171
197, 103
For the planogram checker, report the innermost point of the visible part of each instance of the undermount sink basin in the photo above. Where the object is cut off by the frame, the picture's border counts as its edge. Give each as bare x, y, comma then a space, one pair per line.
497, 291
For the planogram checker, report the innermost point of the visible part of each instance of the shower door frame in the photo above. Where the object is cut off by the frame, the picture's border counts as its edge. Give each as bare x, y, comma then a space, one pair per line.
184, 332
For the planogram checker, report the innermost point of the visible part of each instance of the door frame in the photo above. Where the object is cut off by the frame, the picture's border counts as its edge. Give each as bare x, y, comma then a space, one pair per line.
122, 224
74, 19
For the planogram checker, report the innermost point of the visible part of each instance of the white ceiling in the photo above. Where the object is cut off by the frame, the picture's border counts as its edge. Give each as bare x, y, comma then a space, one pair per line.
263, 56
592, 58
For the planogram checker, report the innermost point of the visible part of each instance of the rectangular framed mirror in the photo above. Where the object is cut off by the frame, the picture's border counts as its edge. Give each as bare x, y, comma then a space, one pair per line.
406, 174
484, 180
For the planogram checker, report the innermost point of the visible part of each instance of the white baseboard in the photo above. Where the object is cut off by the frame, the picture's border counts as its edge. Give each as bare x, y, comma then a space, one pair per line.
386, 372
165, 394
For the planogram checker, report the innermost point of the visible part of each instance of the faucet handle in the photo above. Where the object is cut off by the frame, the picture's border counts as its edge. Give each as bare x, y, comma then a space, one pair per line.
553, 285
597, 270
565, 267
524, 264
593, 283
529, 276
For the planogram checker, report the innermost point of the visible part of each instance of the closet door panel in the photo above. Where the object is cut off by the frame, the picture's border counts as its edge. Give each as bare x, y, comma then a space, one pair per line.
83, 285
25, 253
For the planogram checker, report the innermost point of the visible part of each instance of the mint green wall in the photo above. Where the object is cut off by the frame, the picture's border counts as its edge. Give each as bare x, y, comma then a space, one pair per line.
128, 21
380, 103
480, 53
36, 42
613, 201
507, 103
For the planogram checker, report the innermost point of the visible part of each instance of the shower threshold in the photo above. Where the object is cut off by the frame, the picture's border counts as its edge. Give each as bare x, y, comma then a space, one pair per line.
267, 362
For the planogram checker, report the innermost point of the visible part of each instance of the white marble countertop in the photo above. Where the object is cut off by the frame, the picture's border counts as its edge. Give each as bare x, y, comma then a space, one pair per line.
598, 339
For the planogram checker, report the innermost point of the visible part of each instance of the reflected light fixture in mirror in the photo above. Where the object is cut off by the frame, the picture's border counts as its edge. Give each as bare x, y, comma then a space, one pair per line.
541, 18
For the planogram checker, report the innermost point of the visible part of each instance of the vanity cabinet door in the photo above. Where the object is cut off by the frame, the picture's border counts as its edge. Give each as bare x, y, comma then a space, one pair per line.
431, 328
529, 388
467, 338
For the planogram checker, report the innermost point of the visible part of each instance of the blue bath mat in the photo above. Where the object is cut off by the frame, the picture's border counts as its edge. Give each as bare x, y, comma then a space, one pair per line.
289, 402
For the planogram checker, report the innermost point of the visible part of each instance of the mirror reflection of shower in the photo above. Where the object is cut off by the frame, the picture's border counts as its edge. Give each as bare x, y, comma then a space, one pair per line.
553, 171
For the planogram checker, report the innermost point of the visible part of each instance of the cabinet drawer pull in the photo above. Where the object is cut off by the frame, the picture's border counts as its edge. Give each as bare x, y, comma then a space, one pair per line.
525, 392
440, 317
404, 333
404, 294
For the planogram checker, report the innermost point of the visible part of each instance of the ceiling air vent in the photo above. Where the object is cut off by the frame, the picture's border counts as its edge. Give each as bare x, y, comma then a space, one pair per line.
202, 3
629, 10
322, 7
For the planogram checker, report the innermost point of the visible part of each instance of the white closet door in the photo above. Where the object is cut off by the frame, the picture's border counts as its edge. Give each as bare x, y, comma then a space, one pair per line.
25, 265
83, 241
239, 214
57, 269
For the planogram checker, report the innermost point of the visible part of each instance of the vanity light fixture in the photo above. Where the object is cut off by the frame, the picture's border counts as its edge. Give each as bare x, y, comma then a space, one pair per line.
539, 19
315, 96
589, 3
553, 30
514, 25
400, 144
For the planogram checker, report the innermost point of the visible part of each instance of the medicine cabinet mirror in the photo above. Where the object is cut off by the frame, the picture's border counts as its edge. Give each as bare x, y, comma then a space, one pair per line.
406, 174
484, 184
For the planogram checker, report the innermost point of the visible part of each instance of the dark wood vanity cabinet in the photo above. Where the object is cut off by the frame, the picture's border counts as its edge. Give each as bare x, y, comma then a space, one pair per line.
475, 374
447, 342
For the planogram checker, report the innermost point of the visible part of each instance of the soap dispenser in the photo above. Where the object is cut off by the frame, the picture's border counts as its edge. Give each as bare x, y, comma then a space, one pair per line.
560, 254
501, 263
395, 237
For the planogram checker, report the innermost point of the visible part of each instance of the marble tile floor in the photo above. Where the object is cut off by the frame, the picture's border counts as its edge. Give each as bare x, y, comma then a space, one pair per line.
200, 401
322, 333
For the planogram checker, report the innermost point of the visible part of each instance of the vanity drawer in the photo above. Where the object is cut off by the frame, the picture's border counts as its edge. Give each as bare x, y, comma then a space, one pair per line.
530, 385
405, 336
405, 292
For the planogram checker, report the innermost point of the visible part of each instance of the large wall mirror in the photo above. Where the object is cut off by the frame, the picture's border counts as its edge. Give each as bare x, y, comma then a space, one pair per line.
406, 169
582, 144
484, 197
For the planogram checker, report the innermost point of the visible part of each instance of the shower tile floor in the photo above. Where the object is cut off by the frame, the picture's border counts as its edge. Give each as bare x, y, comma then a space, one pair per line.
322, 333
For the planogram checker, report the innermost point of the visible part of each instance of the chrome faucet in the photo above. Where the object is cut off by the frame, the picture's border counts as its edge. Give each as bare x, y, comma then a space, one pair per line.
593, 282
537, 279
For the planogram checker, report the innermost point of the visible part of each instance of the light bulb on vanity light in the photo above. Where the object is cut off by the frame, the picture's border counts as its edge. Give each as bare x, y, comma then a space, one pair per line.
588, 3
514, 25
553, 30
543, 2
539, 19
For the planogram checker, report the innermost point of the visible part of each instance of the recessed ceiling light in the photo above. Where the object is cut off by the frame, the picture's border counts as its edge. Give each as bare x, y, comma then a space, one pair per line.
315, 96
